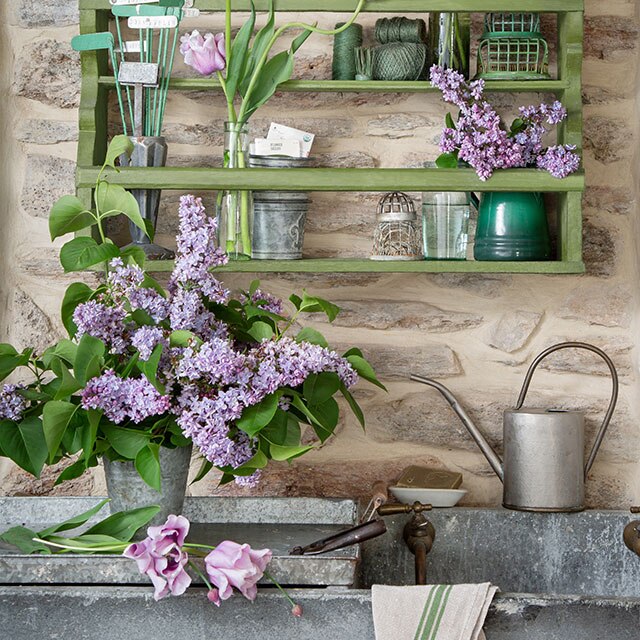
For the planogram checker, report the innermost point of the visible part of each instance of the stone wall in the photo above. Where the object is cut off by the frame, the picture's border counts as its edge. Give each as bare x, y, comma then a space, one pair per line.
477, 333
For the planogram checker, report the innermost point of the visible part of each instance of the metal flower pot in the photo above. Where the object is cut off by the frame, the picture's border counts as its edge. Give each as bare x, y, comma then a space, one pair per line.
148, 151
512, 226
127, 490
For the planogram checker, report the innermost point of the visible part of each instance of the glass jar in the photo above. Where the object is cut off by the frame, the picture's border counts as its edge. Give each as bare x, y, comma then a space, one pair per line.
449, 41
445, 224
234, 210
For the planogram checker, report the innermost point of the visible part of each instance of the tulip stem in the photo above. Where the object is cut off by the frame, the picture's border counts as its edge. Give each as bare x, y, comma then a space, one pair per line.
281, 588
68, 547
204, 578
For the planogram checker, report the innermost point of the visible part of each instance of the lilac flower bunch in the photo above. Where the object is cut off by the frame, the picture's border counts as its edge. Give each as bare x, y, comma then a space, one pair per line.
149, 367
479, 139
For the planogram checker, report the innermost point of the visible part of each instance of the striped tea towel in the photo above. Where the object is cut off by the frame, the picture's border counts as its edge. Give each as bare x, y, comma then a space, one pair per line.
433, 612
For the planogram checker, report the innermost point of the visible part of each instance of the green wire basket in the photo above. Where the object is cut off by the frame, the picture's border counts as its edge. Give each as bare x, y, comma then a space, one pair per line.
512, 23
512, 48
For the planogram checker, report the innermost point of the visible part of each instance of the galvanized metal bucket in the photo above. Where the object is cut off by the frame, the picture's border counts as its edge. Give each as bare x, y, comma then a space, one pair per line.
279, 217
127, 490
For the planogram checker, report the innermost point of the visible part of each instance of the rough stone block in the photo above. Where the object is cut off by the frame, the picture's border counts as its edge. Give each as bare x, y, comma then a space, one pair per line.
603, 304
46, 179
598, 249
606, 37
38, 131
43, 13
485, 286
513, 330
615, 200
398, 125
380, 314
33, 327
608, 138
49, 71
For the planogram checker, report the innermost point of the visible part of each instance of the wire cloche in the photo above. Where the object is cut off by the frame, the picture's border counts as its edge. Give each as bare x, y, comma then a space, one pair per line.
396, 236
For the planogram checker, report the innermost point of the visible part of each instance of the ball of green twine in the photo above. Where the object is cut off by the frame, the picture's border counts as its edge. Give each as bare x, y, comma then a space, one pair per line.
344, 57
400, 29
399, 61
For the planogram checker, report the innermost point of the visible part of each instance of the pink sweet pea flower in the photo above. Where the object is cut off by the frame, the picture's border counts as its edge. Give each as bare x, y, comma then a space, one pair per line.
232, 565
206, 55
161, 557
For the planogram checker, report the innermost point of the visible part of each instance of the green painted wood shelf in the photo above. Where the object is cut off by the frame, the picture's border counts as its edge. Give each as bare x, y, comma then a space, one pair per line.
97, 83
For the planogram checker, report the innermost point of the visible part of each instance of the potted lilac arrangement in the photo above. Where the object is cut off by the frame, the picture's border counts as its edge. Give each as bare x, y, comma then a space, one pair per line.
148, 370
249, 74
511, 225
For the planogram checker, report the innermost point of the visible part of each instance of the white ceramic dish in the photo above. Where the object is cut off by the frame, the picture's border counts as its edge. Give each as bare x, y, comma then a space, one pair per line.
434, 497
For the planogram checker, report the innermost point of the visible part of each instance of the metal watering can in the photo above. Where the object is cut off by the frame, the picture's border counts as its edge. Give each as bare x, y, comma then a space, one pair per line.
544, 467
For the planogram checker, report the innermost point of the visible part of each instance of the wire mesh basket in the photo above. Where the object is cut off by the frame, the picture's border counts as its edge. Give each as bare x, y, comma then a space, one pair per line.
508, 58
397, 236
512, 23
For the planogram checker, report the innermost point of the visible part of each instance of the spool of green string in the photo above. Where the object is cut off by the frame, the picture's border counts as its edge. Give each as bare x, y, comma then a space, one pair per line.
397, 61
400, 29
344, 57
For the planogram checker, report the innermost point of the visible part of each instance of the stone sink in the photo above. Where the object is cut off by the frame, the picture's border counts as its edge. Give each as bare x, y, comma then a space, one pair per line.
562, 576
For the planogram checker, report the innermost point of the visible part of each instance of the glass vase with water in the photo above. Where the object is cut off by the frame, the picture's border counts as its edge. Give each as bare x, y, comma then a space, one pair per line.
445, 224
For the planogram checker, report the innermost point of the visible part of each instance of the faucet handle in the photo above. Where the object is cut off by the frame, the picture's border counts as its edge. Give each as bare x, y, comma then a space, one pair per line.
394, 509
635, 509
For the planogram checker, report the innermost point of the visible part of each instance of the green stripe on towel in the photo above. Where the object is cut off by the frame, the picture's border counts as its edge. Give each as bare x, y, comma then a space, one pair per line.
443, 606
425, 611
433, 612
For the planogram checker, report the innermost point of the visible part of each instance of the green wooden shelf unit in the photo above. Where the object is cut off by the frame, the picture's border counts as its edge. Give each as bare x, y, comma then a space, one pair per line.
97, 82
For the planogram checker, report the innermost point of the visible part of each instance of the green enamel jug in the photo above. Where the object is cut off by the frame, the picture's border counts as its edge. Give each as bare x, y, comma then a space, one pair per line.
512, 226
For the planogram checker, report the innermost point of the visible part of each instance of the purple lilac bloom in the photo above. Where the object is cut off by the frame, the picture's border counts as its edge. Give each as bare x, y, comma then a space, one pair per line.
124, 398
265, 301
559, 161
145, 340
479, 139
161, 557
12, 404
103, 322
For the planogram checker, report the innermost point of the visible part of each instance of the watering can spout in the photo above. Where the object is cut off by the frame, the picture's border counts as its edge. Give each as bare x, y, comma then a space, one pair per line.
485, 447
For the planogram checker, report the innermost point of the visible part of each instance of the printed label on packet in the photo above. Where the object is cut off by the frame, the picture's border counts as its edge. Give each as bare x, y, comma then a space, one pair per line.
281, 132
264, 147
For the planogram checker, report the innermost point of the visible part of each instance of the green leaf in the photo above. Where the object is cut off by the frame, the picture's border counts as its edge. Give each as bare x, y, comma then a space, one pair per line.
112, 200
56, 416
126, 442
447, 161
364, 370
283, 430
90, 351
319, 387
276, 70
326, 418
258, 416
300, 40
150, 368
25, 444
84, 252
288, 453
10, 359
118, 146
183, 338
311, 336
260, 43
296, 301
90, 433
448, 120
76, 294
311, 304
205, 467
67, 215
259, 461
261, 331
133, 254
68, 384
353, 404
124, 524
237, 63
72, 472
23, 539
64, 350
148, 465
74, 522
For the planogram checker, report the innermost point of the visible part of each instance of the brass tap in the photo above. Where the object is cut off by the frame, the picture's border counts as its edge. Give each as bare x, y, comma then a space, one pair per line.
631, 533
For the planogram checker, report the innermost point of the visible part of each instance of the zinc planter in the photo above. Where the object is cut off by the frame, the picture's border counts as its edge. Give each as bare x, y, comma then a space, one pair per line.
127, 490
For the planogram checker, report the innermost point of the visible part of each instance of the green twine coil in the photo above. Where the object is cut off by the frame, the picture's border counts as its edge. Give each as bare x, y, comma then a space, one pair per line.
400, 29
399, 61
344, 57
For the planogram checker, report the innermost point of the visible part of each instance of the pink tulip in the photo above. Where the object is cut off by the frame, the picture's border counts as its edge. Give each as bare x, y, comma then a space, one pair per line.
160, 556
232, 565
206, 55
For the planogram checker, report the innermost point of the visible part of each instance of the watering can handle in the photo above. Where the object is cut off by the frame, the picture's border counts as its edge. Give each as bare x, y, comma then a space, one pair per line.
614, 391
